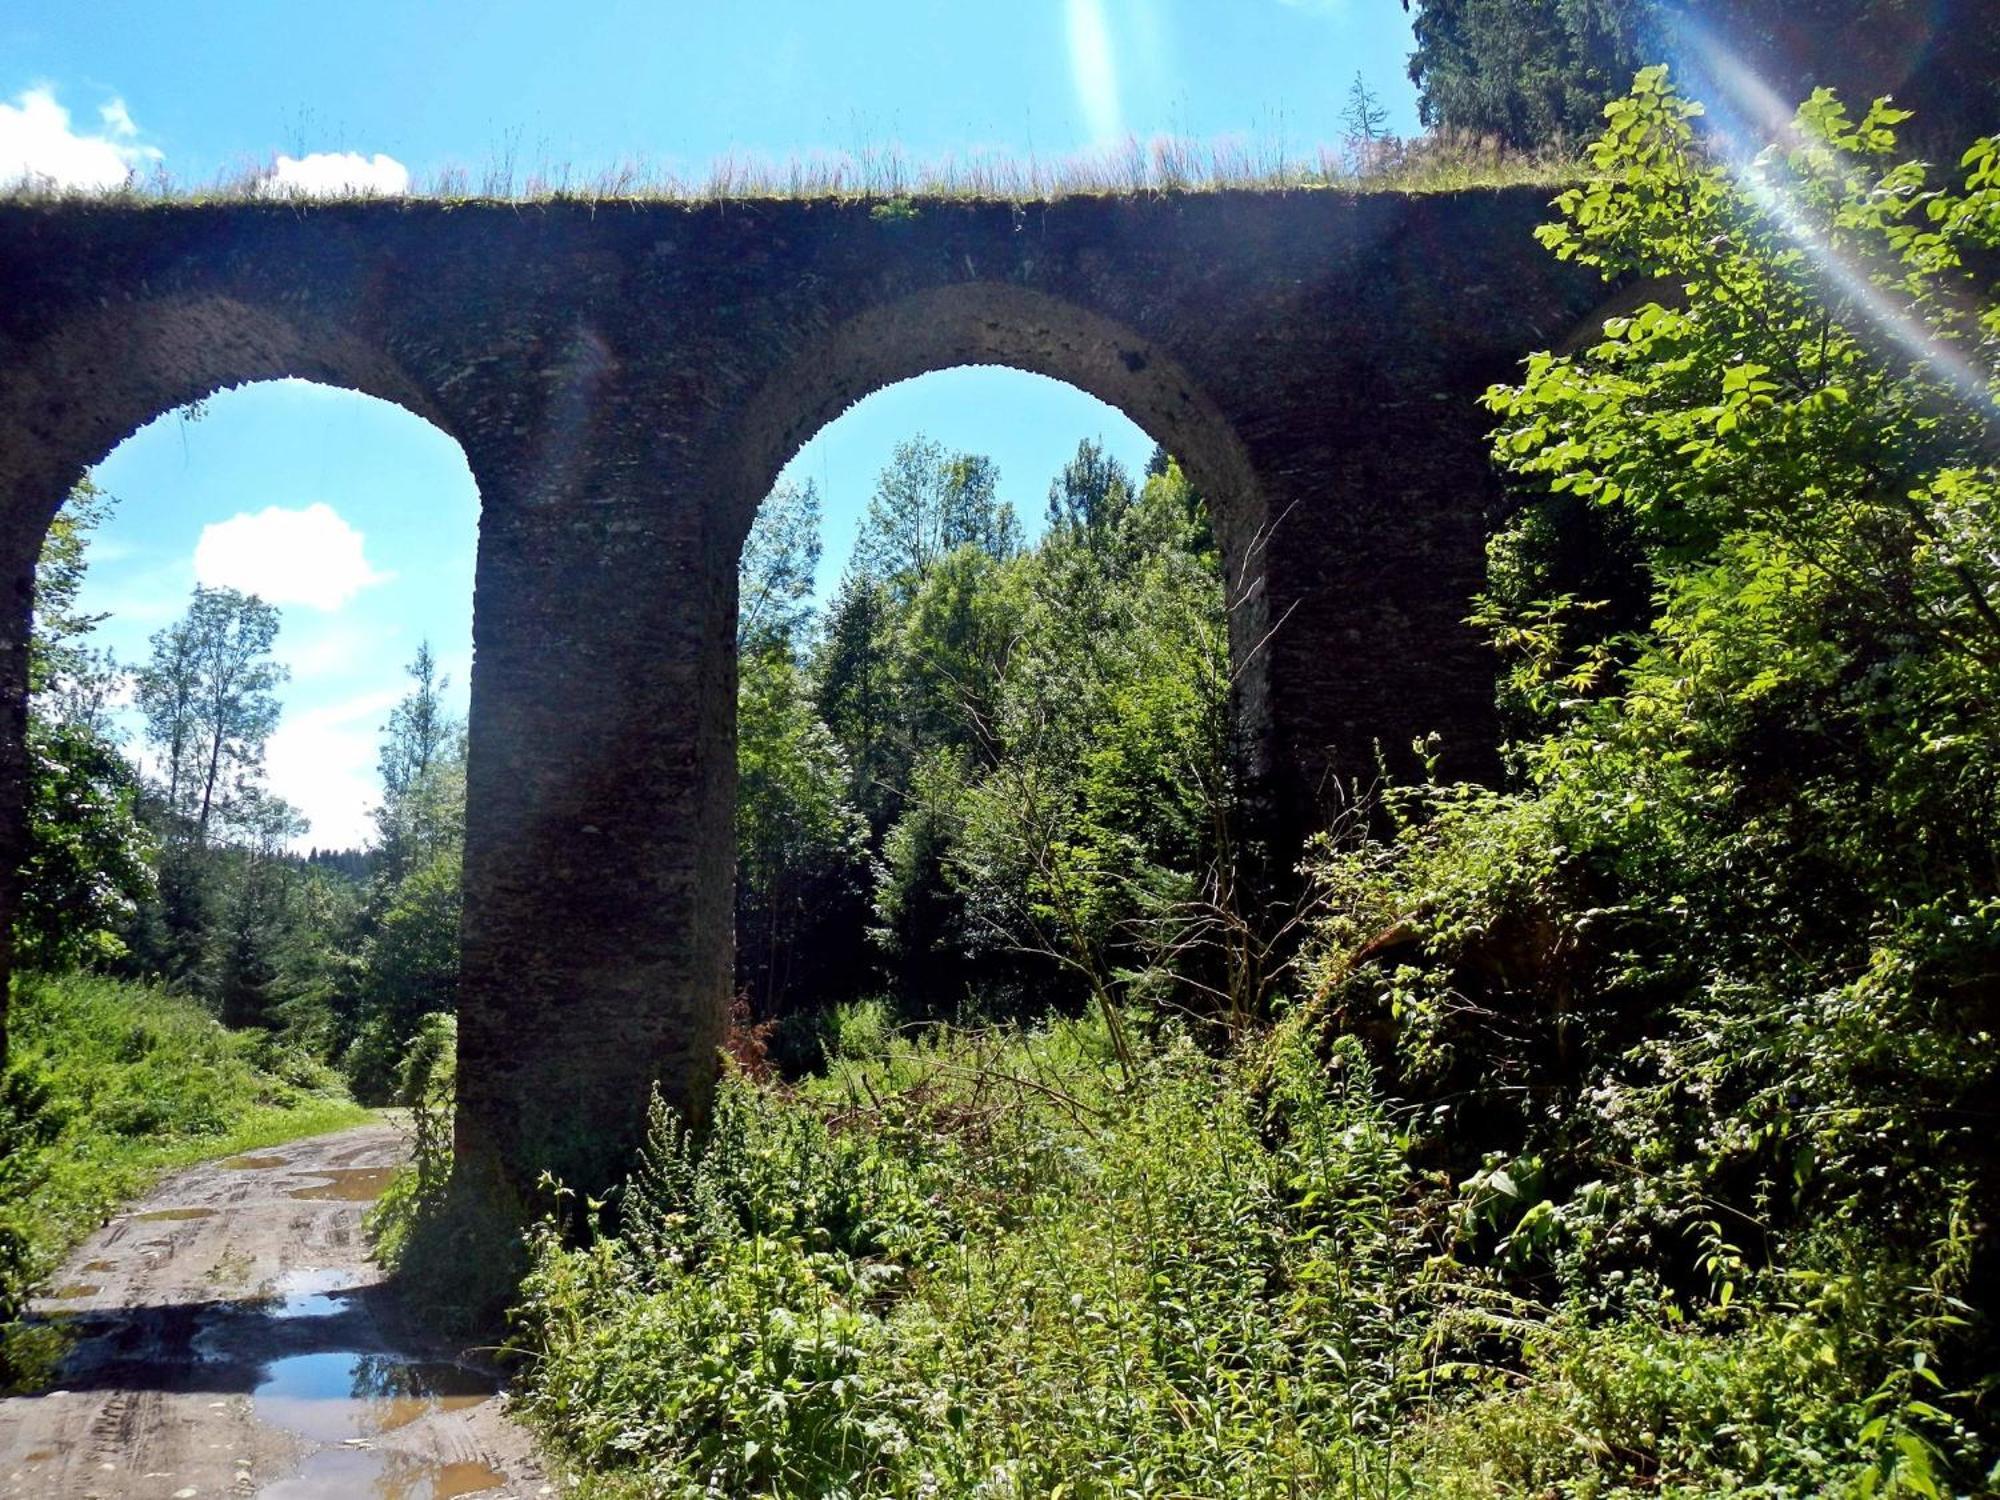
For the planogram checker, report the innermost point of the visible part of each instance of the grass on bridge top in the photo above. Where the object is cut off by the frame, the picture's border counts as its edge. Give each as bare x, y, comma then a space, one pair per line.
1163, 166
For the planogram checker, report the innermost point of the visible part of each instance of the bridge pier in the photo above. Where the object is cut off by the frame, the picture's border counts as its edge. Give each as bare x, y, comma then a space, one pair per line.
597, 940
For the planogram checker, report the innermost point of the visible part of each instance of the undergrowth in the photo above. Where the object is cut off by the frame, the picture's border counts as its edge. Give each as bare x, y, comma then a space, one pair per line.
110, 1084
978, 1264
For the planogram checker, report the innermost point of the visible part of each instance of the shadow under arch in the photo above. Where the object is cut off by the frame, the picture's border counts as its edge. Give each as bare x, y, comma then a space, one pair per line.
1002, 324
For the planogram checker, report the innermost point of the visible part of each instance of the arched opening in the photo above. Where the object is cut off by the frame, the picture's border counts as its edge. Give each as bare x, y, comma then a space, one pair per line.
250, 659
987, 711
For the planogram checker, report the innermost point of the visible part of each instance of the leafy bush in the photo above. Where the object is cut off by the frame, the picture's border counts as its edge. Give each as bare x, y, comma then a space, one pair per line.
978, 1265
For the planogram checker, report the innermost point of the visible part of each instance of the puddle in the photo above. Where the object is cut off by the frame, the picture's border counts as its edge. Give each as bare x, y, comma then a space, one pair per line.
348, 1185
162, 1215
251, 1163
99, 1267
334, 1398
75, 1290
309, 1294
344, 1473
41, 1455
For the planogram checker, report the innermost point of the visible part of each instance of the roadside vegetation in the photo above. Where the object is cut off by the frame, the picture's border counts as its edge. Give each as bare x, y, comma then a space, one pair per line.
108, 1085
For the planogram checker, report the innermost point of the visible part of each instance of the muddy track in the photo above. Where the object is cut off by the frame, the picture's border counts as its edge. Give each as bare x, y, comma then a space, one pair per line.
231, 1338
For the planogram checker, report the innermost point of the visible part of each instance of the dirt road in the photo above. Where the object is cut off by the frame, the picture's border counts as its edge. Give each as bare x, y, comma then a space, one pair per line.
232, 1339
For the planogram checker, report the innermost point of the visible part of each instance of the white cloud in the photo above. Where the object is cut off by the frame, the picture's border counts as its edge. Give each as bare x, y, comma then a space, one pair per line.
38, 147
309, 556
118, 120
1093, 70
322, 761
336, 174
334, 645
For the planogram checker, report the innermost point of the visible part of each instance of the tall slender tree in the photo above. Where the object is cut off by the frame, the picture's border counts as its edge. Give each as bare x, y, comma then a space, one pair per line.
208, 695
775, 577
927, 504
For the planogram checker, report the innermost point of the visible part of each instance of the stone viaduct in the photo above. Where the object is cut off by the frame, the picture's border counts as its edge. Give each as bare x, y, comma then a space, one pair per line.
626, 380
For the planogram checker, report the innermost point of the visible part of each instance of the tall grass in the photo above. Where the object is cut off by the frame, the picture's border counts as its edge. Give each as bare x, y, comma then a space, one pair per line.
1163, 165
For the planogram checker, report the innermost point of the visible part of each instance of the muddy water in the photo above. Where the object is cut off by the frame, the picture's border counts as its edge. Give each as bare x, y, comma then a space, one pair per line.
231, 1338
336, 1473
347, 1401
337, 1397
347, 1185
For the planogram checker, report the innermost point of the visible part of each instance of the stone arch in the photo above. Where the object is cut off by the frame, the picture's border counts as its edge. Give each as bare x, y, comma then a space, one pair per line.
97, 379
1003, 324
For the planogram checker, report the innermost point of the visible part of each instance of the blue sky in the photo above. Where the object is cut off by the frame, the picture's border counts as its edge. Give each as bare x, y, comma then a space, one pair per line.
358, 518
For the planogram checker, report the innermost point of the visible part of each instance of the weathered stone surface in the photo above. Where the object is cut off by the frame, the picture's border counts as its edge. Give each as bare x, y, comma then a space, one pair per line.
626, 382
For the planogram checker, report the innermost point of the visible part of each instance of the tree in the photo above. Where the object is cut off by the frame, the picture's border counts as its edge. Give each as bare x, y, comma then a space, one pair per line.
800, 843
421, 762
776, 574
1530, 72
406, 933
1364, 122
927, 504
86, 866
1534, 72
1105, 776
1092, 492
208, 698
70, 681
1726, 954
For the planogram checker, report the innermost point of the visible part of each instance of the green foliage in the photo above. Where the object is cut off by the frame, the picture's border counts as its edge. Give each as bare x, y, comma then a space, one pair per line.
109, 1084
774, 597
427, 1087
800, 862
207, 695
422, 764
1034, 741
1528, 73
86, 866
1103, 794
927, 505
978, 1266
402, 942
1714, 989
